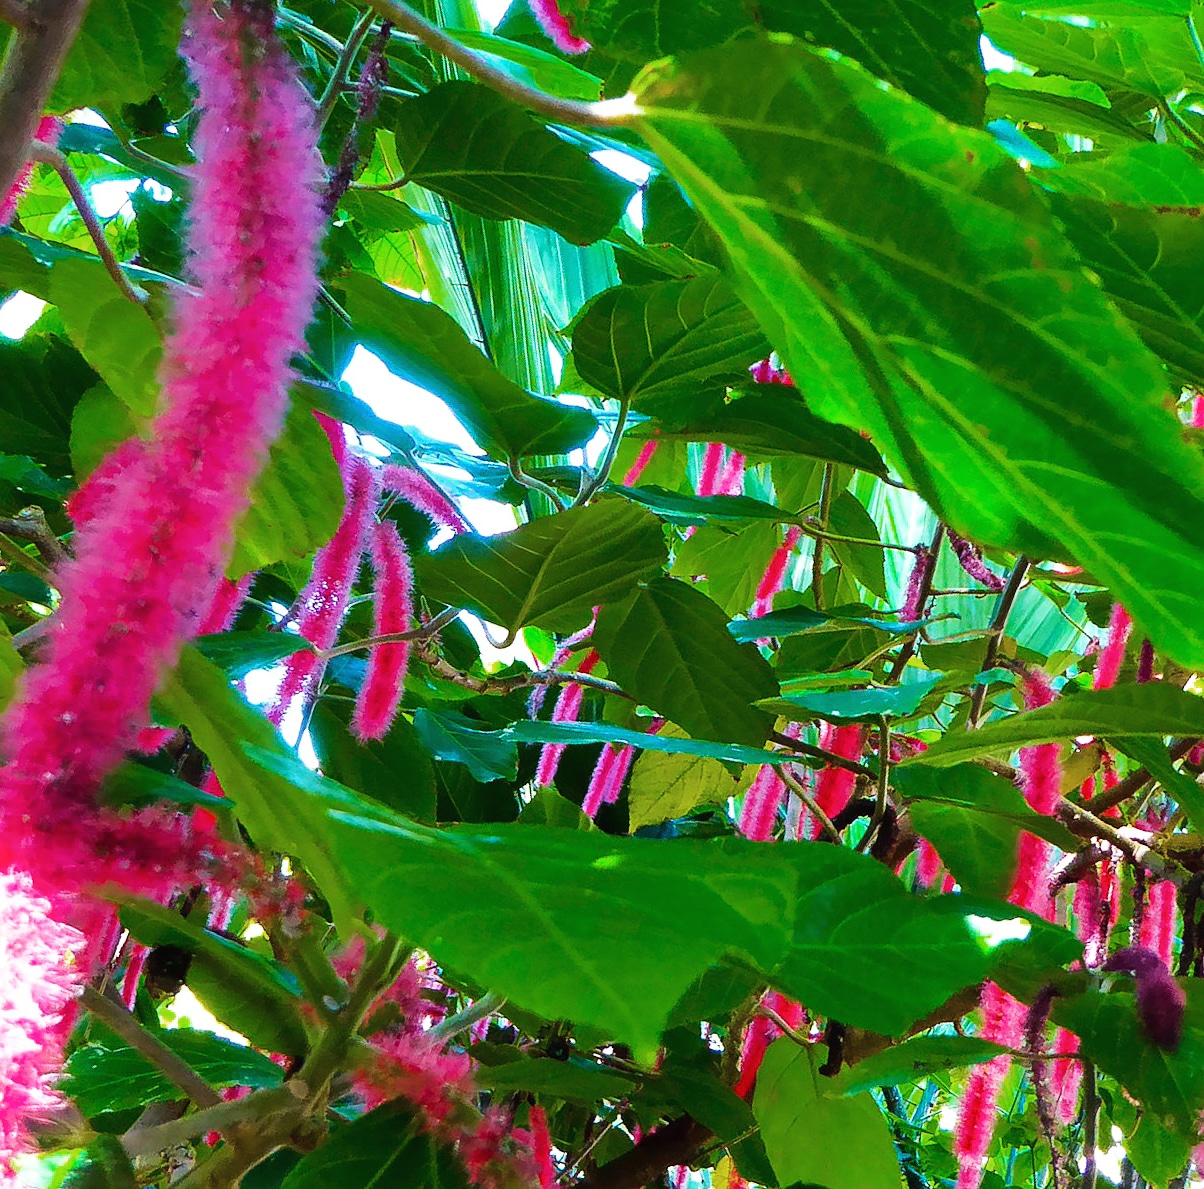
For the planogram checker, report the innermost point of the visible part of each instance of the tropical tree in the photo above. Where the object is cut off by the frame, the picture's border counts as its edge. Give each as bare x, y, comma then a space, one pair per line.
757, 742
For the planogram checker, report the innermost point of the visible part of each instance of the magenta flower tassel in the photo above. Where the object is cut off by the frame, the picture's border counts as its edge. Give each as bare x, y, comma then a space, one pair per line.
555, 24
606, 783
380, 695
775, 573
969, 557
567, 709
647, 450
146, 565
38, 982
731, 482
1157, 931
711, 470
419, 492
1107, 668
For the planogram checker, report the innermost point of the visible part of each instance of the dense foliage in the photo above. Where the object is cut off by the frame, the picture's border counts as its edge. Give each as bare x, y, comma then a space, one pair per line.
804, 790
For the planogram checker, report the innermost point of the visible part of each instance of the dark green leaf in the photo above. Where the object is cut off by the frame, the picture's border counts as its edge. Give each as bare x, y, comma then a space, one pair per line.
665, 786
237, 653
100, 1079
387, 1147
697, 509
973, 294
465, 141
865, 562
252, 994
424, 345
574, 1079
1124, 712
1179, 786
488, 755
26, 475
839, 1143
791, 621
669, 647
136, 784
44, 379
852, 705
669, 347
550, 572
1158, 1153
913, 1061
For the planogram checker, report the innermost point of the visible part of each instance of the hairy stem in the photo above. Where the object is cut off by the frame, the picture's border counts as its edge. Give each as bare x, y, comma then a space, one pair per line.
999, 622
342, 67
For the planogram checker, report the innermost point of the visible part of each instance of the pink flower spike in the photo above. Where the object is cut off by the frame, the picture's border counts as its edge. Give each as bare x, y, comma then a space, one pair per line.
765, 373
1107, 668
420, 492
731, 482
227, 602
647, 450
712, 466
1158, 923
147, 562
380, 695
928, 864
38, 982
969, 557
759, 813
567, 709
556, 26
834, 786
775, 573
1066, 1078
606, 783
541, 1147
49, 129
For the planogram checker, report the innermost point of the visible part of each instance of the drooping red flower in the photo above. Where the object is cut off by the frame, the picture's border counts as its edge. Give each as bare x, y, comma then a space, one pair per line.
555, 24
775, 573
419, 492
567, 709
380, 695
1107, 668
147, 564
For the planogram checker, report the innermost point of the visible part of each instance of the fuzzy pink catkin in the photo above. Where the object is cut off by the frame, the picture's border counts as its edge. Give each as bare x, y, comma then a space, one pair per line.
1158, 923
1107, 668
37, 984
146, 566
326, 598
760, 1034
647, 450
420, 492
969, 557
380, 695
609, 773
759, 813
555, 24
567, 708
775, 573
834, 786
49, 129
731, 481
711, 470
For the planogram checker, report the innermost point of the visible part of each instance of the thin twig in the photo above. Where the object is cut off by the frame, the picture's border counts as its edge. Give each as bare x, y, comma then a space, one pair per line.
481, 1009
922, 596
1090, 1126
1137, 779
431, 628
30, 525
146, 1140
801, 791
811, 752
533, 484
609, 113
342, 67
817, 557
491, 685
999, 623
172, 1066
13, 552
1189, 133
1086, 824
883, 788
31, 67
592, 486
49, 155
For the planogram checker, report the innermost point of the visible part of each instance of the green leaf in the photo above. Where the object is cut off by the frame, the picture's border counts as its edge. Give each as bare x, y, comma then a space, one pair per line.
99, 422
729, 562
199, 695
1170, 1084
1179, 786
927, 47
424, 345
578, 1080
386, 1147
26, 475
696, 509
132, 783
467, 142
931, 341
297, 502
100, 1078
668, 646
531, 65
396, 770
856, 705
103, 1164
792, 621
549, 808
549, 572
865, 562
774, 420
252, 994
839, 1143
1149, 711
912, 1061
11, 667
446, 735
115, 336
665, 786
238, 653
1158, 1153
668, 347
122, 53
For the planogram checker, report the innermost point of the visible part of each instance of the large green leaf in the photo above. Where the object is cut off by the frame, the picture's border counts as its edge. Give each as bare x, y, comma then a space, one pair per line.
955, 289
666, 785
115, 336
470, 144
100, 1078
675, 508
668, 347
426, 346
446, 735
839, 1143
549, 572
387, 1147
611, 932
912, 1061
1127, 711
121, 55
668, 646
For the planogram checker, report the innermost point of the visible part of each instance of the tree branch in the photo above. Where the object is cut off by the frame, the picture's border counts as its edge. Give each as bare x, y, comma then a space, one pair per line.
172, 1066
49, 155
35, 55
15, 13
674, 1143
30, 525
999, 623
609, 113
1136, 780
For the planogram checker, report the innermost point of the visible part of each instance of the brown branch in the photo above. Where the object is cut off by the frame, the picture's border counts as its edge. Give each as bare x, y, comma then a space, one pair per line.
173, 1067
35, 55
1137, 780
999, 623
49, 155
674, 1143
1087, 825
30, 525
15, 13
